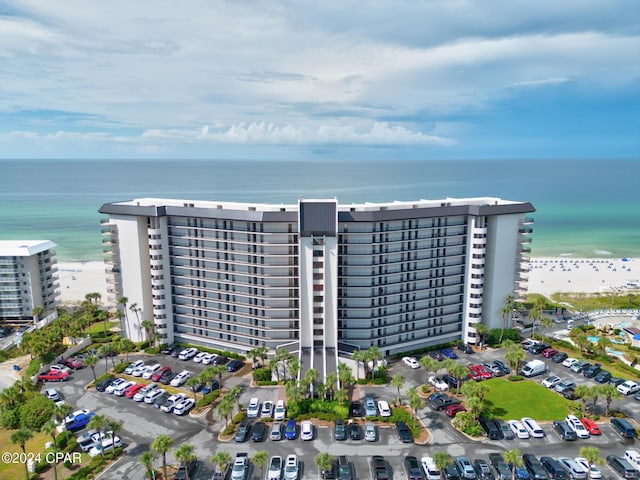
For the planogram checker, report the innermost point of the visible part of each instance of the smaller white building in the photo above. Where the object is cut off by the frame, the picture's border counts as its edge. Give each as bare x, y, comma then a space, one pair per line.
28, 279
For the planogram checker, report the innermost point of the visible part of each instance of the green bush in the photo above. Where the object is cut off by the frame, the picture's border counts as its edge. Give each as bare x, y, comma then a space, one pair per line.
35, 411
229, 429
515, 378
363, 381
72, 445
208, 398
63, 439
152, 350
238, 417
119, 368
493, 337
33, 368
10, 418
267, 384
262, 375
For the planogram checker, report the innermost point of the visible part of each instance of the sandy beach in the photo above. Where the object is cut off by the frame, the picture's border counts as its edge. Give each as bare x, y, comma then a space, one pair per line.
79, 278
586, 275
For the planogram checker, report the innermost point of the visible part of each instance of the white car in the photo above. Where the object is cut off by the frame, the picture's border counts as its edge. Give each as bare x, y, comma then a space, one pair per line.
88, 439
129, 370
384, 408
208, 358
52, 394
576, 425
411, 362
152, 395
267, 409
568, 362
115, 384
629, 387
172, 401
140, 394
181, 378
306, 430
198, 358
532, 427
139, 370
291, 468
184, 406
594, 471
188, 353
150, 370
59, 368
253, 410
438, 383
576, 470
108, 443
280, 410
430, 470
119, 392
517, 429
551, 381
274, 472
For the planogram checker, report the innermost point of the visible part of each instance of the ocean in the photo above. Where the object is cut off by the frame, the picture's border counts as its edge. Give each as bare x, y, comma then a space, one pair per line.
585, 208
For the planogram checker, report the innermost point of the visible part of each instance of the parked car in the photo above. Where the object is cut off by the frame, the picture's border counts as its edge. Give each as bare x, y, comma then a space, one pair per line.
463, 347
453, 410
622, 467
532, 427
501, 467
499, 365
507, 433
355, 409
274, 471
187, 470
551, 381
180, 379
160, 399
105, 445
451, 381
150, 370
616, 381
267, 409
370, 409
442, 402
139, 370
411, 362
184, 406
340, 430
603, 376
199, 356
157, 375
275, 434
306, 430
219, 360
447, 352
187, 353
234, 365
53, 376
139, 396
559, 357
73, 363
629, 387
438, 383
384, 408
153, 395
412, 468
577, 367
253, 409
563, 430
290, 430
258, 432
591, 426
280, 410
518, 429
133, 389
436, 355
594, 471
379, 468
172, 401
450, 472
355, 433
404, 434
119, 392
592, 371
370, 432
87, 440
549, 352
535, 468
131, 367
77, 420
624, 428
465, 468
491, 430
568, 362
576, 425
576, 471
429, 468
483, 471
291, 468
240, 467
555, 470
564, 385
115, 384
243, 431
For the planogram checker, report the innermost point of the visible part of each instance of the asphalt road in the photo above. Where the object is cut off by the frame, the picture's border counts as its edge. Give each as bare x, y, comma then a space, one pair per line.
142, 423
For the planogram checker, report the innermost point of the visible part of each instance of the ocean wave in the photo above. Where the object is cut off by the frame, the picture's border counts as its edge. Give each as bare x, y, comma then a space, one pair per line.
566, 254
602, 252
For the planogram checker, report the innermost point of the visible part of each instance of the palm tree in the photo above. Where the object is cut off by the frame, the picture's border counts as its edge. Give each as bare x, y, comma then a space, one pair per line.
37, 313
259, 459
357, 356
225, 407
593, 395
125, 346
161, 445
112, 427
146, 459
92, 361
513, 458
61, 410
281, 357
50, 428
609, 392
259, 352
481, 330
292, 391
331, 383
21, 437
321, 390
134, 308
308, 380
506, 314
514, 355
344, 374
185, 453
123, 302
441, 460
294, 367
583, 392
545, 324
219, 371
397, 381
324, 461
458, 371
429, 364
372, 354
341, 395
235, 392
591, 455
148, 327
192, 383
415, 403
102, 315
221, 459
99, 423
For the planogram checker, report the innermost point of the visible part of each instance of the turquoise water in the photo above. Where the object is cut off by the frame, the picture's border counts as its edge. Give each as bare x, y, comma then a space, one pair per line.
584, 208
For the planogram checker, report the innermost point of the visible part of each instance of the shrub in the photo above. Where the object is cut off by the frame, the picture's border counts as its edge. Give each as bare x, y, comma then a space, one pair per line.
380, 380
238, 417
208, 398
424, 388
514, 378
229, 429
35, 411
63, 439
262, 375
119, 368
363, 381
10, 418
266, 384
493, 336
152, 350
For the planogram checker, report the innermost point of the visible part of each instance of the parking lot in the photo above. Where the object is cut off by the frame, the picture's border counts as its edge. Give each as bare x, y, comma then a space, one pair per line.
142, 423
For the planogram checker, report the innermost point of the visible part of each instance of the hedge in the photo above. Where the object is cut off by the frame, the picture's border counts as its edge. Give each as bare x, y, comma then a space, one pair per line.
262, 375
266, 383
120, 368
207, 399
63, 439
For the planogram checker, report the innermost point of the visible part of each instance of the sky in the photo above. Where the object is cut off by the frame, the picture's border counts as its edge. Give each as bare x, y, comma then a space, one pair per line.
334, 79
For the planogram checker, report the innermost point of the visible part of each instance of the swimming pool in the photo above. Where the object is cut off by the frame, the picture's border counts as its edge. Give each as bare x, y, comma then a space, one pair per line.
594, 339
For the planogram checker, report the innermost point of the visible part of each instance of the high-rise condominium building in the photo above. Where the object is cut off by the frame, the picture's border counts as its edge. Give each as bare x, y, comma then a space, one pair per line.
316, 277
28, 279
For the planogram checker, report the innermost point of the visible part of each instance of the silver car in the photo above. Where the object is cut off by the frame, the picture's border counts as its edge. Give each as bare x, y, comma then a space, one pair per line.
370, 432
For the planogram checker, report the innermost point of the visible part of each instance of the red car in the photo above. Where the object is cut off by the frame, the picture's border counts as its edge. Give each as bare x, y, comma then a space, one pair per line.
549, 352
480, 372
133, 389
72, 363
156, 376
591, 426
53, 376
474, 373
453, 410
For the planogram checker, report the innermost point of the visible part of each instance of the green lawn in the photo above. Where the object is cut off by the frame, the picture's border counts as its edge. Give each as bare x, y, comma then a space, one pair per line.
98, 327
526, 398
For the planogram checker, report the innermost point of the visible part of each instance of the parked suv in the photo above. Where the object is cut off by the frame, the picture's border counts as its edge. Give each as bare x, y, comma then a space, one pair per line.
555, 469
534, 467
465, 468
491, 430
340, 432
564, 431
624, 428
622, 467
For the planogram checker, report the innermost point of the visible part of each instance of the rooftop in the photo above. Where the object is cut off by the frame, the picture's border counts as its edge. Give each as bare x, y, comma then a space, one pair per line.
24, 248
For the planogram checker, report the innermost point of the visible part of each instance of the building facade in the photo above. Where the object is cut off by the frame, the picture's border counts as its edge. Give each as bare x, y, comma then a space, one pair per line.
316, 277
28, 279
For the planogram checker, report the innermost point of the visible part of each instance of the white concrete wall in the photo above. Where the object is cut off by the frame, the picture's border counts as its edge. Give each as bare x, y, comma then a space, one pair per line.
306, 291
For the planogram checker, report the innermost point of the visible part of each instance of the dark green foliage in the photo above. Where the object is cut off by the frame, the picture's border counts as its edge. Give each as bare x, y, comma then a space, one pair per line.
35, 412
10, 418
121, 367
262, 375
152, 350
266, 384
514, 378
238, 417
208, 398
62, 440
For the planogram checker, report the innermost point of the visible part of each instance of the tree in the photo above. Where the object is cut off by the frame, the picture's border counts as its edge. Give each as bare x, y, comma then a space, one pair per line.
185, 453
123, 302
609, 392
61, 410
292, 391
506, 311
397, 381
441, 460
332, 383
357, 356
372, 354
279, 358
192, 383
514, 355
91, 361
458, 371
259, 459
37, 313
601, 345
259, 352
324, 461
545, 324
50, 428
134, 308
591, 455
149, 329
221, 459
429, 364
225, 407
219, 371
415, 402
125, 346
513, 458
99, 423
102, 316
535, 314
146, 459
474, 389
21, 437
113, 426
481, 330
235, 392
583, 392
341, 395
294, 367
309, 379
161, 445
344, 374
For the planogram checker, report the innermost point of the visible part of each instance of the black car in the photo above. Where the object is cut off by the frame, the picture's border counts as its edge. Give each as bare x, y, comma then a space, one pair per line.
344, 468
219, 360
499, 365
404, 434
186, 471
379, 468
554, 468
434, 396
104, 383
166, 377
412, 468
167, 349
449, 380
450, 472
463, 347
482, 470
355, 409
559, 357
234, 365
569, 394
161, 399
502, 468
436, 355
258, 431
340, 431
564, 431
491, 430
243, 431
507, 433
535, 468
592, 370
329, 474
624, 428
355, 433
538, 348
603, 376
443, 402
616, 381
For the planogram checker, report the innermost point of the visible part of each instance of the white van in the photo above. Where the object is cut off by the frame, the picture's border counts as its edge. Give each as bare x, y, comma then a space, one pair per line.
633, 457
108, 444
533, 368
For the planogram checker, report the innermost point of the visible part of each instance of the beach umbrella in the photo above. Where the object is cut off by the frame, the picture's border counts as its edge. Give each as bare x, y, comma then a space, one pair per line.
625, 259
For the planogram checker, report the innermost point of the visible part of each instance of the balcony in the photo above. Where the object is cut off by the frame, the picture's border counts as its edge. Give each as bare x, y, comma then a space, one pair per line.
527, 221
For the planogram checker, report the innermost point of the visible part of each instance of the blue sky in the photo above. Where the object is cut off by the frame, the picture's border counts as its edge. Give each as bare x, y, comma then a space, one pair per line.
257, 79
